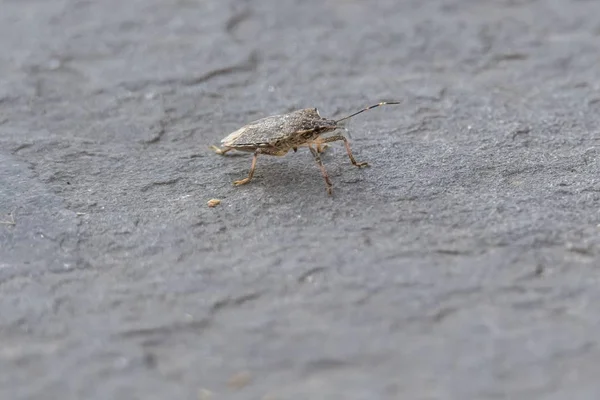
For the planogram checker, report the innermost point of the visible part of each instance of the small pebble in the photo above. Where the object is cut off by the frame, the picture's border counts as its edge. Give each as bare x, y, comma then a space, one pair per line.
214, 202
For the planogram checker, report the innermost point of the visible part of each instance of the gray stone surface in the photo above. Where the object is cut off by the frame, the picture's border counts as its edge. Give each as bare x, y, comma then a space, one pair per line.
464, 264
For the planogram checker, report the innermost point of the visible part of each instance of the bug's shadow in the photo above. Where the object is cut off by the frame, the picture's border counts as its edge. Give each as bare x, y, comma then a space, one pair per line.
236, 154
300, 176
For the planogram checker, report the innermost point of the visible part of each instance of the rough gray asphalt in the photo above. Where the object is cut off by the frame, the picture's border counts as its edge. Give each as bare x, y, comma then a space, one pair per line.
464, 264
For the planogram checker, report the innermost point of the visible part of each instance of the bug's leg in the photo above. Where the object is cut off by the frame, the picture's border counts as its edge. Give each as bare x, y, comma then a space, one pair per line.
322, 147
220, 151
348, 150
317, 157
250, 174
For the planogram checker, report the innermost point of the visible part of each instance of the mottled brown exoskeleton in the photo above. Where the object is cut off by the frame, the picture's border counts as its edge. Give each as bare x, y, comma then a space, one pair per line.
278, 134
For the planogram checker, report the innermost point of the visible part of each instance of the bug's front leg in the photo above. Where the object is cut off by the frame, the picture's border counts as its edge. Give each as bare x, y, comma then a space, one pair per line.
321, 147
319, 143
251, 173
317, 157
348, 150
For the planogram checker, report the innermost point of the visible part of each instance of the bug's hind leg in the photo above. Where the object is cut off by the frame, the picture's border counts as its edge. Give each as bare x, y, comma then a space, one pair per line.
348, 150
317, 157
251, 173
221, 150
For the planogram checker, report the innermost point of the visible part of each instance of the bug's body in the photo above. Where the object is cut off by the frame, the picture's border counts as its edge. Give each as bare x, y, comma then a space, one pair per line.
278, 134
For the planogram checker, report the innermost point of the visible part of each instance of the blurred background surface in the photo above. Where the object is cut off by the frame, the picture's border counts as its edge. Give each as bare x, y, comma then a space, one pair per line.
462, 265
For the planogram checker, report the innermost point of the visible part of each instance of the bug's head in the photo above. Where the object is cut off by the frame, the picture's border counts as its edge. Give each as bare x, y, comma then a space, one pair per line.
312, 114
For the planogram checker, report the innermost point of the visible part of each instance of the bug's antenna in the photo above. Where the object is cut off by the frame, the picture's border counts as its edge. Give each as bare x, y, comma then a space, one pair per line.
368, 108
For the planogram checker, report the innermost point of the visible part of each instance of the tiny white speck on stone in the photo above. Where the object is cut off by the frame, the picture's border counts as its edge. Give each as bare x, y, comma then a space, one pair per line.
54, 64
205, 394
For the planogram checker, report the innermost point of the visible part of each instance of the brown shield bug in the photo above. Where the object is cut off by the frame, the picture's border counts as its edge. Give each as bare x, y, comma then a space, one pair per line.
278, 134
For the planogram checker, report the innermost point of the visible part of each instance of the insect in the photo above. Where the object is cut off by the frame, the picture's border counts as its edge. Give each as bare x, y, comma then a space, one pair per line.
278, 134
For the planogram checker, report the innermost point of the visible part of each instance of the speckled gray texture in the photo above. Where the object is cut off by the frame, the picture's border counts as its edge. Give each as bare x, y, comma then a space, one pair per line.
464, 264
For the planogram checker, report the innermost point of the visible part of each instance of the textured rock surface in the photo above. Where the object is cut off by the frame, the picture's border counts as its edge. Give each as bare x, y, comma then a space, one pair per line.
464, 264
